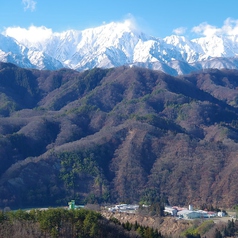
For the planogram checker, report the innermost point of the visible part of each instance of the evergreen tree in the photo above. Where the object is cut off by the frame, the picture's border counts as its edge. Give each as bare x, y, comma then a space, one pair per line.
217, 234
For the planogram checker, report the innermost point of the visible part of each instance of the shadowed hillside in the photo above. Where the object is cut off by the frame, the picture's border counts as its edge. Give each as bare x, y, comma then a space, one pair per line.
112, 135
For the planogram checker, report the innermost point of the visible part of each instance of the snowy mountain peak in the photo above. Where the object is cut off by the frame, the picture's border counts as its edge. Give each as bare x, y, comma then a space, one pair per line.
117, 27
115, 44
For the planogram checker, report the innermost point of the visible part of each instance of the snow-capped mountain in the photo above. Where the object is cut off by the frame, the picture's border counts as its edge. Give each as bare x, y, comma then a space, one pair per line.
15, 52
117, 44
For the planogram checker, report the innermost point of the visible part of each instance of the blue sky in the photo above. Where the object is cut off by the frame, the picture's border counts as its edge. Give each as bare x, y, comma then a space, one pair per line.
159, 18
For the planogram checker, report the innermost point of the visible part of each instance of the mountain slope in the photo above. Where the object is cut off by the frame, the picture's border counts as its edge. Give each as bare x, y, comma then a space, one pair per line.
116, 135
118, 44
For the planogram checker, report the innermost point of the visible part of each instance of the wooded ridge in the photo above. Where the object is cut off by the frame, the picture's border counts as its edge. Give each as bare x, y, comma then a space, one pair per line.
117, 135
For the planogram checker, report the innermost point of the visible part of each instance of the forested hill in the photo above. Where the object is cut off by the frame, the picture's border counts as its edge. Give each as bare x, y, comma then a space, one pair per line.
117, 135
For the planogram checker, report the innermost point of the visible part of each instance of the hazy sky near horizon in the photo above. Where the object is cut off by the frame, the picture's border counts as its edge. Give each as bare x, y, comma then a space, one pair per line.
159, 18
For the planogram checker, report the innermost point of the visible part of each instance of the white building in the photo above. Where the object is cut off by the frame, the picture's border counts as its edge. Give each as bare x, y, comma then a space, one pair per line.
221, 214
171, 211
187, 214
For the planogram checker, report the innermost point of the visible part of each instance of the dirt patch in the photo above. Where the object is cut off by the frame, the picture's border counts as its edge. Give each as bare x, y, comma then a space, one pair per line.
166, 225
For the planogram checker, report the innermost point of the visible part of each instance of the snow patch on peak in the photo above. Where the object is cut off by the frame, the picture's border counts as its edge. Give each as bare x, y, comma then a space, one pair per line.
175, 40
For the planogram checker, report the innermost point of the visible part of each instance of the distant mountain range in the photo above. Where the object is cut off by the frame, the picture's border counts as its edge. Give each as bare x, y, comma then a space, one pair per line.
118, 44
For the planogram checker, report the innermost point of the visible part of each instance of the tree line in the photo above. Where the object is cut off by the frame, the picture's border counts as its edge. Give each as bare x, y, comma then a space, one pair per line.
60, 222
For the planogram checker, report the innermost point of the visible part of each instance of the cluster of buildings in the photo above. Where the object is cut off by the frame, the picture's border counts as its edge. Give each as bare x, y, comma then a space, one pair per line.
175, 211
129, 208
190, 213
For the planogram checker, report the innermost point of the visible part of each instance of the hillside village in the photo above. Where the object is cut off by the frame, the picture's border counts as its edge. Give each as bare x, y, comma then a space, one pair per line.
190, 213
174, 211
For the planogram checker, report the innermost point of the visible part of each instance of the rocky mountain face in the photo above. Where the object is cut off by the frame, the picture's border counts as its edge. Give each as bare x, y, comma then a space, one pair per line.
118, 44
117, 135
